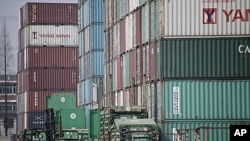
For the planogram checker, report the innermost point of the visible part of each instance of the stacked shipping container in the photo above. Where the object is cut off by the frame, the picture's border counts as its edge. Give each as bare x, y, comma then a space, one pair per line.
183, 60
47, 58
91, 54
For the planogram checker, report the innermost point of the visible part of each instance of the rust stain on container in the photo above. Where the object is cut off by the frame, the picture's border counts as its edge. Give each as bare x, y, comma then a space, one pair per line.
48, 79
48, 13
122, 36
51, 57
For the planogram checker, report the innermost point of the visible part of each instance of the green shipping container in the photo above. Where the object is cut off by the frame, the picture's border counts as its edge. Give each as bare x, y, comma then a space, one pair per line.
94, 128
205, 100
72, 118
203, 58
152, 19
58, 101
118, 10
214, 130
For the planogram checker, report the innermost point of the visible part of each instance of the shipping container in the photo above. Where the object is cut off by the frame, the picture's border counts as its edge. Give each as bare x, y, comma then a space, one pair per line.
212, 130
48, 13
48, 57
93, 64
89, 91
93, 38
139, 65
125, 70
35, 120
145, 23
86, 13
49, 35
132, 67
119, 73
214, 58
146, 63
114, 76
31, 101
81, 68
205, 100
19, 123
116, 40
133, 5
152, 20
122, 36
152, 60
48, 79
138, 28
201, 18
129, 32
81, 50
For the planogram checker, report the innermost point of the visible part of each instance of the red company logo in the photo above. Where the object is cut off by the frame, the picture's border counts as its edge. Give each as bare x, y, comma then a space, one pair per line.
209, 15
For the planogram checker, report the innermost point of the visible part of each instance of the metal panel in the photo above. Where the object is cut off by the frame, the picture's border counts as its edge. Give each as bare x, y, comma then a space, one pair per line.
125, 7
48, 13
145, 23
81, 68
35, 120
159, 104
198, 18
152, 60
96, 37
81, 43
152, 20
132, 66
129, 32
59, 101
139, 65
93, 64
119, 73
118, 10
133, 4
206, 99
146, 63
49, 35
96, 9
138, 27
86, 40
114, 76
122, 36
125, 68
50, 57
203, 58
213, 130
86, 11
94, 130
116, 40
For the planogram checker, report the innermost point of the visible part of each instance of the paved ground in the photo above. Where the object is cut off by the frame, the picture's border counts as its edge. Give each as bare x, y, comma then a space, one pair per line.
5, 138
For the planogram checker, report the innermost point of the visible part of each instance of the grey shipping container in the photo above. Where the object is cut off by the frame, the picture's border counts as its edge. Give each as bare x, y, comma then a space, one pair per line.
203, 58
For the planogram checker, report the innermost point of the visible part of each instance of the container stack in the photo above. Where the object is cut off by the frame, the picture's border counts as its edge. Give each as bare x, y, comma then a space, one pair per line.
187, 62
47, 58
91, 54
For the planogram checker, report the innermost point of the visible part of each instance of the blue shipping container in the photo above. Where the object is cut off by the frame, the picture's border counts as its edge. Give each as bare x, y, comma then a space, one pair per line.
36, 120
93, 62
92, 12
81, 68
96, 37
81, 43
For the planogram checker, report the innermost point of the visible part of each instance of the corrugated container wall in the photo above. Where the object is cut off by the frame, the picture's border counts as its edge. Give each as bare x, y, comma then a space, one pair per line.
49, 35
48, 13
199, 18
205, 100
81, 50
216, 130
203, 58
48, 57
145, 23
48, 79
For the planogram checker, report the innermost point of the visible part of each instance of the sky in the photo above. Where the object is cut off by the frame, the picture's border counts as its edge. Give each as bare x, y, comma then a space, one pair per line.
9, 10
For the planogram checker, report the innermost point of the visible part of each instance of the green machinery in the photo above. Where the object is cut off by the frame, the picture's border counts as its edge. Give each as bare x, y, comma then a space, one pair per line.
122, 124
63, 120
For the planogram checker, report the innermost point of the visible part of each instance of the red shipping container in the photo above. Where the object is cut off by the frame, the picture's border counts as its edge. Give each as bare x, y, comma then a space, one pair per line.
49, 79
132, 67
138, 27
48, 13
122, 37
51, 57
152, 52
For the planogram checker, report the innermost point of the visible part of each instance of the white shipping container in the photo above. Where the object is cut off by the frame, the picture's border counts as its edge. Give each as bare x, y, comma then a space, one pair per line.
86, 40
21, 103
206, 17
133, 4
139, 95
49, 35
126, 99
134, 30
80, 94
129, 32
114, 76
